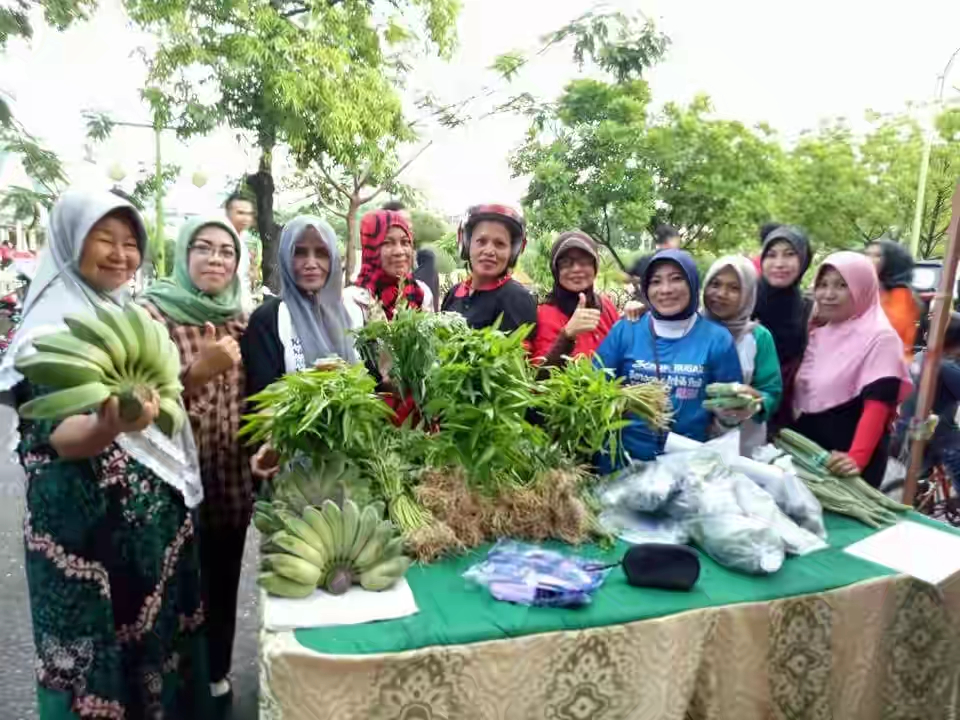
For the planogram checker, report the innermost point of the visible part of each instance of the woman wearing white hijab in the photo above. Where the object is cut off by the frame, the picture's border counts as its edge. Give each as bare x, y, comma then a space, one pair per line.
729, 298
308, 322
111, 550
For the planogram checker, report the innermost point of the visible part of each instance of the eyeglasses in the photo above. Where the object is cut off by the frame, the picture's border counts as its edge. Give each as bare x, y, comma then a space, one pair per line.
205, 251
565, 263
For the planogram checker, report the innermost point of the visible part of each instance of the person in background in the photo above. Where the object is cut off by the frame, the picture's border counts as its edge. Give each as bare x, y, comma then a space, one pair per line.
765, 230
729, 298
574, 319
782, 307
894, 265
240, 213
200, 307
110, 533
665, 237
307, 323
673, 344
944, 446
386, 268
852, 376
491, 239
426, 273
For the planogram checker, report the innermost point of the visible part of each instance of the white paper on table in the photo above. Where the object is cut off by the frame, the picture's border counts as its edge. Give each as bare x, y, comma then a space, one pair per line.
352, 608
917, 550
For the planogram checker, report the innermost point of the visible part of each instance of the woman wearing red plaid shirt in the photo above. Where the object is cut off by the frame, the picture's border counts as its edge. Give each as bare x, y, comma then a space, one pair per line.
201, 308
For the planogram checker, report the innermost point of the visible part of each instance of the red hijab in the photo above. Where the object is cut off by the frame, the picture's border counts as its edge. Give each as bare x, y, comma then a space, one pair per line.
386, 288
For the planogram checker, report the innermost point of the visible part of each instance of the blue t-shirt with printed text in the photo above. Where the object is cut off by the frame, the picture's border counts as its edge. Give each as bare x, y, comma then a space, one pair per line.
706, 354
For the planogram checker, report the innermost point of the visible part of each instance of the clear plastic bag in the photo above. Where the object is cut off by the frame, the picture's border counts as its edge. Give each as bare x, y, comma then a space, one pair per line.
529, 575
757, 502
642, 487
638, 528
788, 491
739, 542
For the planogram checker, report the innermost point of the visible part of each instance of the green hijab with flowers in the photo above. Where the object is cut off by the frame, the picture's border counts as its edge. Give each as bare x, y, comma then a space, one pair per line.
179, 299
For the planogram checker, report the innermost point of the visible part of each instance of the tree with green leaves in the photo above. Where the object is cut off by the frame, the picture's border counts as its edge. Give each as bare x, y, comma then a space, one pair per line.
40, 165
318, 76
586, 153
714, 179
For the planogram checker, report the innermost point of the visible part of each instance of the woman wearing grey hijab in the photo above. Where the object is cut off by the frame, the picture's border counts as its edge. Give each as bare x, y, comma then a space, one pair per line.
111, 551
307, 323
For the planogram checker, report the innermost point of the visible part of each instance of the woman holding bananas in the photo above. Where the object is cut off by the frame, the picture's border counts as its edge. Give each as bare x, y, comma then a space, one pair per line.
200, 306
111, 550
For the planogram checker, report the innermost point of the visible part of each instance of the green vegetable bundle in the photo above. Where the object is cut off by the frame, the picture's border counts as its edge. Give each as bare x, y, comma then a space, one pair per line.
328, 547
728, 396
412, 340
584, 408
479, 393
322, 411
123, 353
845, 495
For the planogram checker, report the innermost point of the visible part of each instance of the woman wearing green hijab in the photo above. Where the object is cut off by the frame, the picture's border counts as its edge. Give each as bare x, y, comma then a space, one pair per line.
200, 306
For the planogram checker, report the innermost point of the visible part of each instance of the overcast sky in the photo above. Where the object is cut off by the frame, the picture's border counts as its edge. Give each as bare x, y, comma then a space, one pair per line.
789, 64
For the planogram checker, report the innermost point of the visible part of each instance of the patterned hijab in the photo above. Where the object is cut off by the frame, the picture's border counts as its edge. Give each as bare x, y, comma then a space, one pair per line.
319, 320
179, 299
386, 288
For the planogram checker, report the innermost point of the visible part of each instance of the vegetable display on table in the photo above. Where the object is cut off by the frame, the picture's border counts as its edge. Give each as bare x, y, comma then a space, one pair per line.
123, 353
845, 495
492, 452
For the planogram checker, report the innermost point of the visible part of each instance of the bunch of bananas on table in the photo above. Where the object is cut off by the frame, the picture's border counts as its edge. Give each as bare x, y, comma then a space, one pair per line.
327, 547
125, 353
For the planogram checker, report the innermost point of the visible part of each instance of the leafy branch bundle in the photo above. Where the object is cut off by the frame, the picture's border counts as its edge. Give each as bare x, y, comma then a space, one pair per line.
328, 409
412, 340
479, 393
584, 408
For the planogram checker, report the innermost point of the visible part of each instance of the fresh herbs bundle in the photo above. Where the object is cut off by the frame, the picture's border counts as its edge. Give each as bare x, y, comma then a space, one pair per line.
330, 409
584, 408
412, 340
479, 393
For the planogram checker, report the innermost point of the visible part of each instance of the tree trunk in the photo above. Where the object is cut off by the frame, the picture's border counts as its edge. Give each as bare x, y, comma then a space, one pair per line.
353, 238
261, 183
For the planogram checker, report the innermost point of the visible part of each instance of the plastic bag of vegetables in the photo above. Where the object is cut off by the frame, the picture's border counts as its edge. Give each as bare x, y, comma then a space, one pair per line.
739, 542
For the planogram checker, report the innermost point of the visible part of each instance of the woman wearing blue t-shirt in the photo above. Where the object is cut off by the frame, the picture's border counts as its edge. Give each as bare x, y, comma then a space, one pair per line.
674, 344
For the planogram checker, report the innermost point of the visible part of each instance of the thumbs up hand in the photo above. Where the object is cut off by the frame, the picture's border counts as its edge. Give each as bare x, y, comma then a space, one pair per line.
218, 356
583, 320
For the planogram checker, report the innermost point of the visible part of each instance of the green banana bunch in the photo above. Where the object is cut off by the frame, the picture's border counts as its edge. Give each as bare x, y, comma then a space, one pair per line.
341, 545
123, 353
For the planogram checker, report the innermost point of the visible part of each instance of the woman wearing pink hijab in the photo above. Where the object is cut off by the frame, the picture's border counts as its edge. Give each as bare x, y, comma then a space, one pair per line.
852, 376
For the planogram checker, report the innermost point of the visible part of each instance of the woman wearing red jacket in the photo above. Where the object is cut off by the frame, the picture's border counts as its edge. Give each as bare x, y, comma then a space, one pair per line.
574, 320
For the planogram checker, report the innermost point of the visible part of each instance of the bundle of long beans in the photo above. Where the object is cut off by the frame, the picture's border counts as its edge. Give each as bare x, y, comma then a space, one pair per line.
845, 495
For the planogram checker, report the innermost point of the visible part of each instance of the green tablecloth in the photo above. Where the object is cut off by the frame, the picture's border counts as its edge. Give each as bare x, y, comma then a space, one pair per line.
451, 613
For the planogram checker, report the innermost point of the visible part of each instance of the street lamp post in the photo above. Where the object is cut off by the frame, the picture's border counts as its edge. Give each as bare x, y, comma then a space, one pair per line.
925, 157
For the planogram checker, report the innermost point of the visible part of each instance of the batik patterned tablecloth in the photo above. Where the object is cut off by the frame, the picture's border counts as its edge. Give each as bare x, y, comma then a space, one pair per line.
828, 636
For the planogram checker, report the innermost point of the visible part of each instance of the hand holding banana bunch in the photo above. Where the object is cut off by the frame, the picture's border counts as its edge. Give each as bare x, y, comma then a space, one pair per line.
121, 363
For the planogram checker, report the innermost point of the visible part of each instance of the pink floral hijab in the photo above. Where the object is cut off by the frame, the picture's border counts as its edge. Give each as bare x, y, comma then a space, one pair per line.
843, 358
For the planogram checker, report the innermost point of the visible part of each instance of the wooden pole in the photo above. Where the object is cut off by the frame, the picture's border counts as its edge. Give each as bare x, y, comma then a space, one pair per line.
931, 364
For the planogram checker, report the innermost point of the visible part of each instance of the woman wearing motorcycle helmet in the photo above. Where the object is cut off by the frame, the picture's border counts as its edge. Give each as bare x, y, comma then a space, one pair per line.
491, 238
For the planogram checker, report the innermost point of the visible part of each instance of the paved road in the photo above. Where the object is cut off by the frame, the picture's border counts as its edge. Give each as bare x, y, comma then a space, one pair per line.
17, 698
